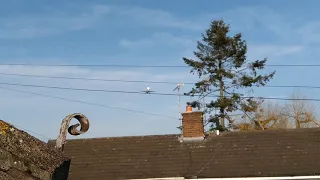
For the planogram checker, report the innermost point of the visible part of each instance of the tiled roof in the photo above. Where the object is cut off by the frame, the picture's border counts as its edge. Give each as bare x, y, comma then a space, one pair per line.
22, 156
235, 154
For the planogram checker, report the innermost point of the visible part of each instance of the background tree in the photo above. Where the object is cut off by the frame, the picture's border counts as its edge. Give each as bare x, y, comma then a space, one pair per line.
268, 115
296, 113
222, 67
301, 112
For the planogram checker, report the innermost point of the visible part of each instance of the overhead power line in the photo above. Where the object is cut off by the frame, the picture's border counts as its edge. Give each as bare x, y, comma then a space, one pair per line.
293, 65
284, 99
139, 81
151, 93
92, 79
88, 103
85, 89
96, 65
292, 86
141, 66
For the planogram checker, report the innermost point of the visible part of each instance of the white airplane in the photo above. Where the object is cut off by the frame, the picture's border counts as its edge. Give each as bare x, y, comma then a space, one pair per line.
148, 90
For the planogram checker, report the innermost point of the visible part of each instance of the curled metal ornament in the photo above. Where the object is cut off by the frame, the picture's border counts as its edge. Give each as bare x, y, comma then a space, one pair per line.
84, 127
84, 122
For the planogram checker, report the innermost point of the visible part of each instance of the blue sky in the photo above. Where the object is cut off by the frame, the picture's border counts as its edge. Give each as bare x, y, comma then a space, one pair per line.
139, 32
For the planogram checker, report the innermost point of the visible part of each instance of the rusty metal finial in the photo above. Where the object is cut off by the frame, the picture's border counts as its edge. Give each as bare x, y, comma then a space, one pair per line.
84, 122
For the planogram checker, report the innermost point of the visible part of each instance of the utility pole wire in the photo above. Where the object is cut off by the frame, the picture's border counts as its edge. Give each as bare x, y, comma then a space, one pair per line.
85, 89
161, 94
139, 66
95, 65
140, 81
88, 103
92, 79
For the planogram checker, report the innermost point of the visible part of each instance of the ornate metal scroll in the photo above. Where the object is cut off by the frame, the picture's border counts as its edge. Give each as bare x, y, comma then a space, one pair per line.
84, 127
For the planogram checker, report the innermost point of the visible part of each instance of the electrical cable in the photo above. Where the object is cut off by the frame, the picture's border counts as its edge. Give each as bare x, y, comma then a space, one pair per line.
140, 81
140, 66
95, 65
85, 89
88, 103
151, 93
91, 79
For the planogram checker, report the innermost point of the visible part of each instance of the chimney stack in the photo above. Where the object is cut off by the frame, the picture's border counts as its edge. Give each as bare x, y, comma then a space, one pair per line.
192, 125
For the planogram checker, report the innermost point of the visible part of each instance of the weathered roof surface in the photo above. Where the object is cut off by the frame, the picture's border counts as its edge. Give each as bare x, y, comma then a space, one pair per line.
4, 175
236, 154
22, 156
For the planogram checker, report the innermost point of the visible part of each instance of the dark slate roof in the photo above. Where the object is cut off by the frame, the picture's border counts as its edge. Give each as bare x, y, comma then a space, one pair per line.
23, 156
234, 154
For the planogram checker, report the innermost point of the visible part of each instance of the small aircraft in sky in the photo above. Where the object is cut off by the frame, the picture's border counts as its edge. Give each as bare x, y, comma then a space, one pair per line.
148, 90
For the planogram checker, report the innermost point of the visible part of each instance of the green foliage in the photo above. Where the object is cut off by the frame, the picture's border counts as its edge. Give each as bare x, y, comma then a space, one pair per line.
222, 64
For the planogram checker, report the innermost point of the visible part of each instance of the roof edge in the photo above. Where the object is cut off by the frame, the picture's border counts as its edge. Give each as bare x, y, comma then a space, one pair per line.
238, 178
116, 137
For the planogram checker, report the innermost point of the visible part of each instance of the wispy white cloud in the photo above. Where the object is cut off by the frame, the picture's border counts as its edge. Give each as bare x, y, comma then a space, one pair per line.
242, 19
49, 23
17, 28
262, 51
153, 17
159, 41
138, 44
34, 70
309, 33
286, 28
186, 45
56, 23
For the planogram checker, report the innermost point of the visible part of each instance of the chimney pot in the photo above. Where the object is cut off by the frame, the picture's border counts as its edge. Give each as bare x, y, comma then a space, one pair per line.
189, 108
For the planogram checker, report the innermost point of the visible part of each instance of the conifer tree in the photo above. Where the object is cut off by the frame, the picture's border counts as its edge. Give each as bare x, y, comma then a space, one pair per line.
223, 68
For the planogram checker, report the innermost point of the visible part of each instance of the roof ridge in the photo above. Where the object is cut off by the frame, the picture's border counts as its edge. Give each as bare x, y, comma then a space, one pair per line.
208, 134
119, 137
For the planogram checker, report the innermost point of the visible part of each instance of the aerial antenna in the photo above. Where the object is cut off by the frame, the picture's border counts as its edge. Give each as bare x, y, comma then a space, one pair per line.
206, 83
178, 88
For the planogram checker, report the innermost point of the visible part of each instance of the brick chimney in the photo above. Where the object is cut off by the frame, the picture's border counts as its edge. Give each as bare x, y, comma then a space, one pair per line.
192, 125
